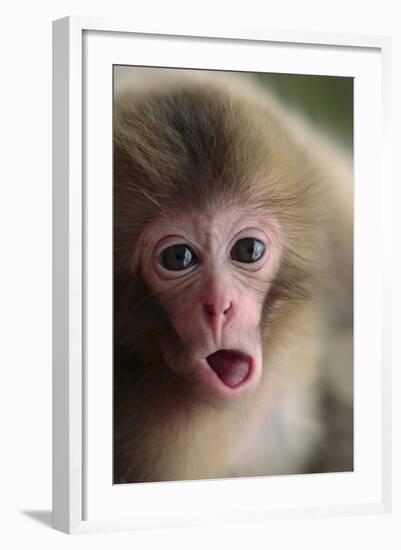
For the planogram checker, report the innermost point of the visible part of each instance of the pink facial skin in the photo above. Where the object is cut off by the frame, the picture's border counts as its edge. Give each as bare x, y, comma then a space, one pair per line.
215, 303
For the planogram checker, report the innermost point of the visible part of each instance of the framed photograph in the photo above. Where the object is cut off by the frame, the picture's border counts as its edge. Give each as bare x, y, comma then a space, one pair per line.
220, 212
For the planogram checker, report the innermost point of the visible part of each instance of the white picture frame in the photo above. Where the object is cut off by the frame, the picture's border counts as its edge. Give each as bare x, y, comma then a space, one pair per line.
84, 498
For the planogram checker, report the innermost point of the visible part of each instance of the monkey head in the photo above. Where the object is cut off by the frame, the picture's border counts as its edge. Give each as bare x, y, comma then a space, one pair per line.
211, 230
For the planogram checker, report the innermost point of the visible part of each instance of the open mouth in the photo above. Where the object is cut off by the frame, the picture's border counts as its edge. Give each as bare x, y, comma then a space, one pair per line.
231, 366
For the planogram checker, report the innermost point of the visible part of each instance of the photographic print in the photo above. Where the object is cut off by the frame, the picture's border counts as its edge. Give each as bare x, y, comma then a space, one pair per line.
233, 274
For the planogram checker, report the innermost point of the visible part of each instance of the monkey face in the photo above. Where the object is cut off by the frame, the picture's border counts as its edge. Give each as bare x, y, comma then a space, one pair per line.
211, 273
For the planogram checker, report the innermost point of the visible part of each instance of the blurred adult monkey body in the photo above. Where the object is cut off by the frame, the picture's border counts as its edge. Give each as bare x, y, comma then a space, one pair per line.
232, 285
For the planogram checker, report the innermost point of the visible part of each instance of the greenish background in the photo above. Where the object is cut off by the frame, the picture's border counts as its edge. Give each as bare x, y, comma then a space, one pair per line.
325, 100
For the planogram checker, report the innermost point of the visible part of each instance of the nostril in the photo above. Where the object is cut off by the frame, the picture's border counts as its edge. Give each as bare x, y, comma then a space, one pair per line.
213, 311
209, 309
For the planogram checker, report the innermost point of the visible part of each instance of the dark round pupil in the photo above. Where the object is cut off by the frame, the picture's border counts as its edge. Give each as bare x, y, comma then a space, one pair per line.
177, 257
247, 250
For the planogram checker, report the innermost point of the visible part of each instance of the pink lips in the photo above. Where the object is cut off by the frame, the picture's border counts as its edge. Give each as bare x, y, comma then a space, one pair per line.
232, 367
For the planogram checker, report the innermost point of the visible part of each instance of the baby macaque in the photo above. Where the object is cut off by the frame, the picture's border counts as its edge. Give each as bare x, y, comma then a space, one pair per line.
232, 283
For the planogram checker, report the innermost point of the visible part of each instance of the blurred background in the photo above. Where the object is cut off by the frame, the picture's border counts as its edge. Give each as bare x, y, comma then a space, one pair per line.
327, 101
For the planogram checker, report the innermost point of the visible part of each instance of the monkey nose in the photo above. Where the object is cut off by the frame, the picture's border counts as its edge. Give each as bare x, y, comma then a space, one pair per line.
215, 311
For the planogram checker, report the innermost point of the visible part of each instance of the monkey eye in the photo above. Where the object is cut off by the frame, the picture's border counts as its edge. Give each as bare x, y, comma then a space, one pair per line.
248, 250
177, 257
